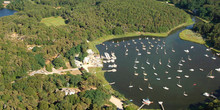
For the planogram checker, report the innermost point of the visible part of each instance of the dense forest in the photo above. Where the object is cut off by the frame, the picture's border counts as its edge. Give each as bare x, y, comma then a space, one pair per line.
208, 10
85, 20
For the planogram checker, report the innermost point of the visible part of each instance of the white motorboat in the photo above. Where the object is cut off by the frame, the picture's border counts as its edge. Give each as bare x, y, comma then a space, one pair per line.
201, 69
214, 58
135, 73
166, 88
186, 76
191, 69
217, 69
130, 86
208, 49
140, 89
206, 55
187, 51
206, 94
189, 58
178, 77
184, 93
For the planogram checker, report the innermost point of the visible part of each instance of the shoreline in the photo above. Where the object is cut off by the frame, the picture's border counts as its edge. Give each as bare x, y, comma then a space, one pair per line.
184, 37
189, 35
92, 44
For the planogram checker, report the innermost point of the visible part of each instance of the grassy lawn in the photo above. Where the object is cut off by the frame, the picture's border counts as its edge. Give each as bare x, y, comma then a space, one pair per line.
189, 35
100, 75
53, 21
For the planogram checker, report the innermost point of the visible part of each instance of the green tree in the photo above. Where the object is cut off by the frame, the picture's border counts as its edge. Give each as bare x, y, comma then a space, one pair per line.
43, 105
49, 67
58, 62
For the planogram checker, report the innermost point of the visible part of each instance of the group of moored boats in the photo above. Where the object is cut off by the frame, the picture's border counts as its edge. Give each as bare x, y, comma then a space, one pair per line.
148, 48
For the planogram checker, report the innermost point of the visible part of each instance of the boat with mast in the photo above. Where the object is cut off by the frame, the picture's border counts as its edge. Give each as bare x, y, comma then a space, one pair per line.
144, 73
136, 61
169, 60
130, 86
126, 53
189, 58
173, 50
184, 93
148, 52
165, 51
214, 58
156, 50
135, 67
135, 73
160, 61
182, 60
142, 67
148, 62
154, 67
168, 65
179, 70
210, 75
179, 85
149, 86
145, 79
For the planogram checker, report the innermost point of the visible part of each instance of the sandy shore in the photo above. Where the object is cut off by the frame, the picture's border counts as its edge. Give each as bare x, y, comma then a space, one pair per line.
117, 102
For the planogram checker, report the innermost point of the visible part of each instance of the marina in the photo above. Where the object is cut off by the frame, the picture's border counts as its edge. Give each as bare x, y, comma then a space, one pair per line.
168, 67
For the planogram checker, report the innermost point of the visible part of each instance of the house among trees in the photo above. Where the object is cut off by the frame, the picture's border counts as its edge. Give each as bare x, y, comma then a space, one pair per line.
5, 3
69, 91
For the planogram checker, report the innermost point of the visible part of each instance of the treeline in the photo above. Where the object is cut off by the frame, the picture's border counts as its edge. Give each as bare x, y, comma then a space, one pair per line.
86, 20
208, 10
44, 93
210, 31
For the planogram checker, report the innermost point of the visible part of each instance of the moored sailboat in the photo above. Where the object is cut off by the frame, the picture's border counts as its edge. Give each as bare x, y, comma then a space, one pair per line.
210, 75
149, 86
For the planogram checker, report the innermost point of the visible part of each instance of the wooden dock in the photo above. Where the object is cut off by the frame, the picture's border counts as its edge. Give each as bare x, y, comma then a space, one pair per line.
161, 104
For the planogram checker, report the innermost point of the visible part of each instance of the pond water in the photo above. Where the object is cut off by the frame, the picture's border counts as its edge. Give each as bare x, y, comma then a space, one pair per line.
6, 12
194, 83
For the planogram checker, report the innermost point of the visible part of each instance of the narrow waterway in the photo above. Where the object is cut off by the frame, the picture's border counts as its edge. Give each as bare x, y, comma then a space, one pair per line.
194, 83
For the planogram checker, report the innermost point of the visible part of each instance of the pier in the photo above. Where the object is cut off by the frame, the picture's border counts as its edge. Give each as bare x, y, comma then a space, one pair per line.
161, 104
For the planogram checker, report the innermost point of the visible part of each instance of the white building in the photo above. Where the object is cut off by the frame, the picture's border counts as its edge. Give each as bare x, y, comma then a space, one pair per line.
7, 2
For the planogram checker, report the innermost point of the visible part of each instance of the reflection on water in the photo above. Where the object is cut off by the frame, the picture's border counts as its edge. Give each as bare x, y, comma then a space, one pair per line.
162, 62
